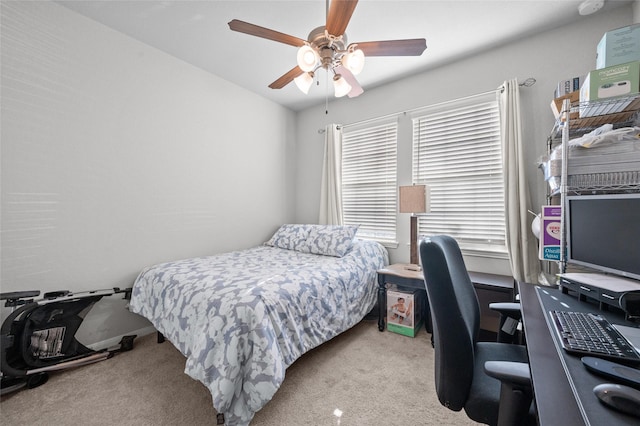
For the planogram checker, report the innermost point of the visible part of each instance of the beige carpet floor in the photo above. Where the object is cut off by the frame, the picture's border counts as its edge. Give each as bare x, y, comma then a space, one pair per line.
362, 377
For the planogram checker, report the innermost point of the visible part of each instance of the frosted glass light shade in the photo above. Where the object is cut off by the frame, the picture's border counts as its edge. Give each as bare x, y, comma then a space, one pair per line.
307, 58
304, 82
354, 61
340, 86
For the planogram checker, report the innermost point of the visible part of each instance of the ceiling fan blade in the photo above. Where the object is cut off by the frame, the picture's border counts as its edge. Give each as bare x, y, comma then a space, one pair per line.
286, 78
409, 47
339, 15
255, 30
356, 89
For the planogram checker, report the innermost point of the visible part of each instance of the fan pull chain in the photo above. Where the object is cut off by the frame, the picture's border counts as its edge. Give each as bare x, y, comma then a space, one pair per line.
326, 95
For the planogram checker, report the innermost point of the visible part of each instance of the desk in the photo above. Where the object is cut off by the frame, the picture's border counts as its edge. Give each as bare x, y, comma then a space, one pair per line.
563, 387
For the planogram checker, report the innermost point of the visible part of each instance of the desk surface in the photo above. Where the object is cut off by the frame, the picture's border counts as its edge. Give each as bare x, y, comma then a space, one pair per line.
403, 270
563, 387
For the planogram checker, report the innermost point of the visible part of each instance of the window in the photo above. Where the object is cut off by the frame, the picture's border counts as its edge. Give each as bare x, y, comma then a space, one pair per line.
457, 152
369, 179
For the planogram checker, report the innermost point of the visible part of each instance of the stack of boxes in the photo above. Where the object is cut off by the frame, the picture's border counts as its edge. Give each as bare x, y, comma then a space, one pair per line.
616, 76
614, 84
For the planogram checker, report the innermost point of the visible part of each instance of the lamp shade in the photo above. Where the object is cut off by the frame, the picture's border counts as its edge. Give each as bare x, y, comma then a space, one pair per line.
414, 199
354, 61
307, 58
340, 86
304, 81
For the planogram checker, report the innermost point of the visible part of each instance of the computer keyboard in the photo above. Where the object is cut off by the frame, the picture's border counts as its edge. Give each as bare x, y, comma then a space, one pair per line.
593, 335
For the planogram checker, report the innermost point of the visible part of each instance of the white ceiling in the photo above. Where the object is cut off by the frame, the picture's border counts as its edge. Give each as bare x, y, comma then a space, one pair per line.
197, 32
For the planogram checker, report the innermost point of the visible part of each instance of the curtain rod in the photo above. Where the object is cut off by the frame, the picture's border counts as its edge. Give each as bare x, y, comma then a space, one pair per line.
527, 83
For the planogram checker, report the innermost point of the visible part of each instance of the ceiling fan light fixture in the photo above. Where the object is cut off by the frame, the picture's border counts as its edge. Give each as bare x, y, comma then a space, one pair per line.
354, 61
327, 47
307, 58
340, 86
304, 81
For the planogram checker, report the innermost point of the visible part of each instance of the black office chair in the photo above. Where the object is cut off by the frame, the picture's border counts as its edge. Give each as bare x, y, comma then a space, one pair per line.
490, 380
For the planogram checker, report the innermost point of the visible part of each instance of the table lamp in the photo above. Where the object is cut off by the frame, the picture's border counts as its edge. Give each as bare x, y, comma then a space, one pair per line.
414, 199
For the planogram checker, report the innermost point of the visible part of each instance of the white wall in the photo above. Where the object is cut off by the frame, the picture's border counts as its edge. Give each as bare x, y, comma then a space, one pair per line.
116, 156
548, 57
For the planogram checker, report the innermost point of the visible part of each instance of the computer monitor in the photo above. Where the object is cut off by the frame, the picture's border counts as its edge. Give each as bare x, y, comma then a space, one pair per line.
603, 233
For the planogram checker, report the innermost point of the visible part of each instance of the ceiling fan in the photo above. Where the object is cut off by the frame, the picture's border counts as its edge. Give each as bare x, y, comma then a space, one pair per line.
326, 47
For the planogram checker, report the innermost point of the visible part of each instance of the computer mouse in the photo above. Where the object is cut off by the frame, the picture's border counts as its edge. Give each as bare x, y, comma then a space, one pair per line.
620, 397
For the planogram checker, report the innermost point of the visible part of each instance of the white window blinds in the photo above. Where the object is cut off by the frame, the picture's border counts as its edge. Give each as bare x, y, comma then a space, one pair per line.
369, 178
457, 152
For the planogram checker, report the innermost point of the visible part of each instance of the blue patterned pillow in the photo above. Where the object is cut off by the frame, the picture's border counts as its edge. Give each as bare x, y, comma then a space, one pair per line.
290, 237
330, 240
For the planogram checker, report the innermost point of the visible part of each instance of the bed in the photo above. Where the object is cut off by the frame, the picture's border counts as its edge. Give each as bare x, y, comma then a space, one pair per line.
242, 318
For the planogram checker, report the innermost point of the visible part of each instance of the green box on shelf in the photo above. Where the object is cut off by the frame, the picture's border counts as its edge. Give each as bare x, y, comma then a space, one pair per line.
404, 311
612, 84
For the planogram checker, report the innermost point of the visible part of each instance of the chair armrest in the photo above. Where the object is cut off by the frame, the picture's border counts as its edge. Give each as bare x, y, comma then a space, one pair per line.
510, 309
517, 373
516, 393
510, 316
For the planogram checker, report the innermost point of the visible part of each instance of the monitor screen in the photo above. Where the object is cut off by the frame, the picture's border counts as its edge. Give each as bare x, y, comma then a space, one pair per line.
603, 232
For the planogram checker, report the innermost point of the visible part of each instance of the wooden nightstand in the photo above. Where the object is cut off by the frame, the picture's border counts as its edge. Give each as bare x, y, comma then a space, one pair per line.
405, 276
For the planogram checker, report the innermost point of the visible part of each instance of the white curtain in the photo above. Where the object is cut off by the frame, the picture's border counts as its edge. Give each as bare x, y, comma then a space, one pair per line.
331, 190
521, 243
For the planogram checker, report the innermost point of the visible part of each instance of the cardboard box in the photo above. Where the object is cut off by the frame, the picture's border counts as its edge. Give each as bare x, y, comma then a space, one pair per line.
557, 103
550, 233
609, 83
618, 47
404, 311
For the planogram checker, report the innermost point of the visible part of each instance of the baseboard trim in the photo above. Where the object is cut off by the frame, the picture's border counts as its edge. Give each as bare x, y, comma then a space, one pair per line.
105, 344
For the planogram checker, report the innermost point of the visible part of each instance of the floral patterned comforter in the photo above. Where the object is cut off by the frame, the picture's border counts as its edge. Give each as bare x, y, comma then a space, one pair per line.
242, 318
